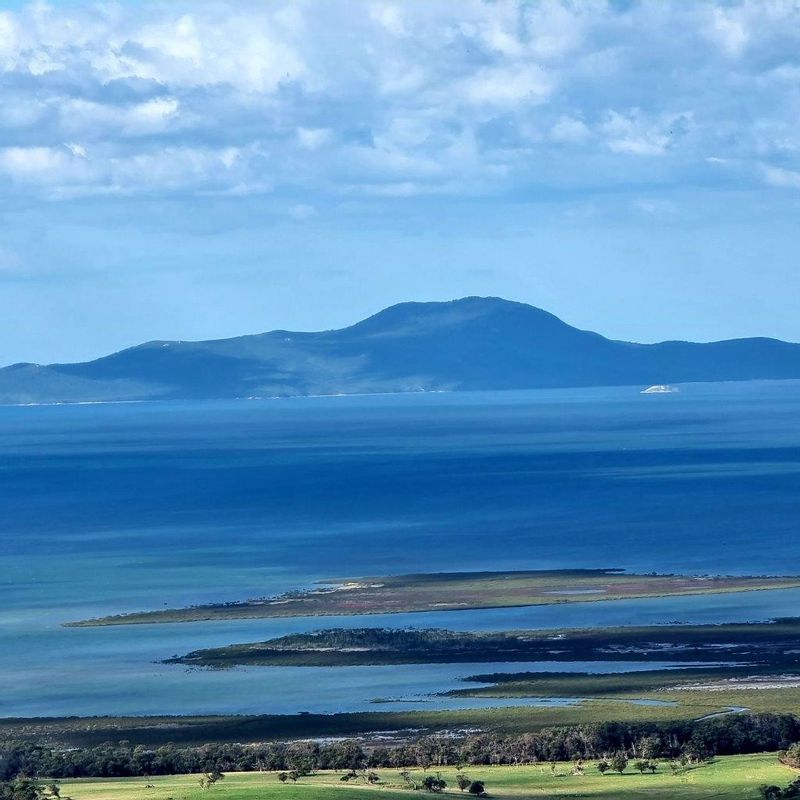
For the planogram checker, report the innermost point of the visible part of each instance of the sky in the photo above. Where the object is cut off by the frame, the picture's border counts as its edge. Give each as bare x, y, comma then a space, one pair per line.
194, 170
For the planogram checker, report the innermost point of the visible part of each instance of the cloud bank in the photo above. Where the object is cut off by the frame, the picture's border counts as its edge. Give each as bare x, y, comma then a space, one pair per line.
371, 98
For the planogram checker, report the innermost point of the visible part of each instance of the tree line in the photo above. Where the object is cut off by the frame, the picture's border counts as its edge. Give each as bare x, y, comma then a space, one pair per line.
730, 735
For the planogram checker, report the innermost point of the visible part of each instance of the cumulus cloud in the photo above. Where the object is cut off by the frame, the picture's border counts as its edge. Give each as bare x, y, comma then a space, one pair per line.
31, 163
392, 99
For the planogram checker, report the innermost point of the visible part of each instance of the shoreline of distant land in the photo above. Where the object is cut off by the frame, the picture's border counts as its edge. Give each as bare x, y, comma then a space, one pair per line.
469, 344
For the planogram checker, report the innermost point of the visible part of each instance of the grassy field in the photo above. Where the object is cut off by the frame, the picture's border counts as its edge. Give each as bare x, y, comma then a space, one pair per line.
454, 591
728, 778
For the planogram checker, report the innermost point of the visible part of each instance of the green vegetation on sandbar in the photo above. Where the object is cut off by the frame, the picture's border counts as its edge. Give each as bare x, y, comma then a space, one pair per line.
692, 692
764, 645
724, 778
455, 591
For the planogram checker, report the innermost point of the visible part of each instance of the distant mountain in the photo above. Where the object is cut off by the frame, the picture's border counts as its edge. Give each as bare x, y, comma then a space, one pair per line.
473, 343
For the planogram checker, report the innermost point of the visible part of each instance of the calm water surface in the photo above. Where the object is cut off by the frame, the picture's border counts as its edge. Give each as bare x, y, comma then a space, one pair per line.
108, 508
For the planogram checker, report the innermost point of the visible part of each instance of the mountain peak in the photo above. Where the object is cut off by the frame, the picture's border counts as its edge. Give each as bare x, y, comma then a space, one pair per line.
418, 317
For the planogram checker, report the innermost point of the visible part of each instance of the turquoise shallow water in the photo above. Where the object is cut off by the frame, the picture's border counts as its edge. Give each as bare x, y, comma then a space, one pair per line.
109, 508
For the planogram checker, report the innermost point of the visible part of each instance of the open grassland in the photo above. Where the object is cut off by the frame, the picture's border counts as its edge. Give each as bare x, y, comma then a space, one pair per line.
455, 591
726, 778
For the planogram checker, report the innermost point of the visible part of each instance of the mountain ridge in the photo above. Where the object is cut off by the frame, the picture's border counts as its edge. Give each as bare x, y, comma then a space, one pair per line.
471, 343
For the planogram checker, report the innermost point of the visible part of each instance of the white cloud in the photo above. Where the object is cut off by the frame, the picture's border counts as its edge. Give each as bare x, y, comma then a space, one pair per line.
95, 120
570, 130
152, 116
248, 50
66, 171
22, 163
507, 86
557, 29
727, 31
8, 34
634, 134
312, 138
389, 16
76, 149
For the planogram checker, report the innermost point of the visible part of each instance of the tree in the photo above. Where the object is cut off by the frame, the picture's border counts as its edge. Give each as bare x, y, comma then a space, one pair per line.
649, 748
641, 765
603, 767
463, 782
303, 757
477, 788
619, 762
406, 776
24, 788
340, 755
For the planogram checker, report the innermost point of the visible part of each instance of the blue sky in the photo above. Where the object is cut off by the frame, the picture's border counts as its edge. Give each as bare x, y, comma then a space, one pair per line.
204, 169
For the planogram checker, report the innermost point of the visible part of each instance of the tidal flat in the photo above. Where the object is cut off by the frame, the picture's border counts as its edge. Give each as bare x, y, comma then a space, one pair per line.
453, 591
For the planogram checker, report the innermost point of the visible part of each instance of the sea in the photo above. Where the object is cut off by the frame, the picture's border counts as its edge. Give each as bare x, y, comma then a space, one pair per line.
106, 508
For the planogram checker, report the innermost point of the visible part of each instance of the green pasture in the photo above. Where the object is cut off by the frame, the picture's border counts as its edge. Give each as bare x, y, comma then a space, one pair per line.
726, 778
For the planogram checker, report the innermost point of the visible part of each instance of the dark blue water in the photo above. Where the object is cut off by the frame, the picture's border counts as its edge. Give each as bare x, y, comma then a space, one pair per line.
108, 508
